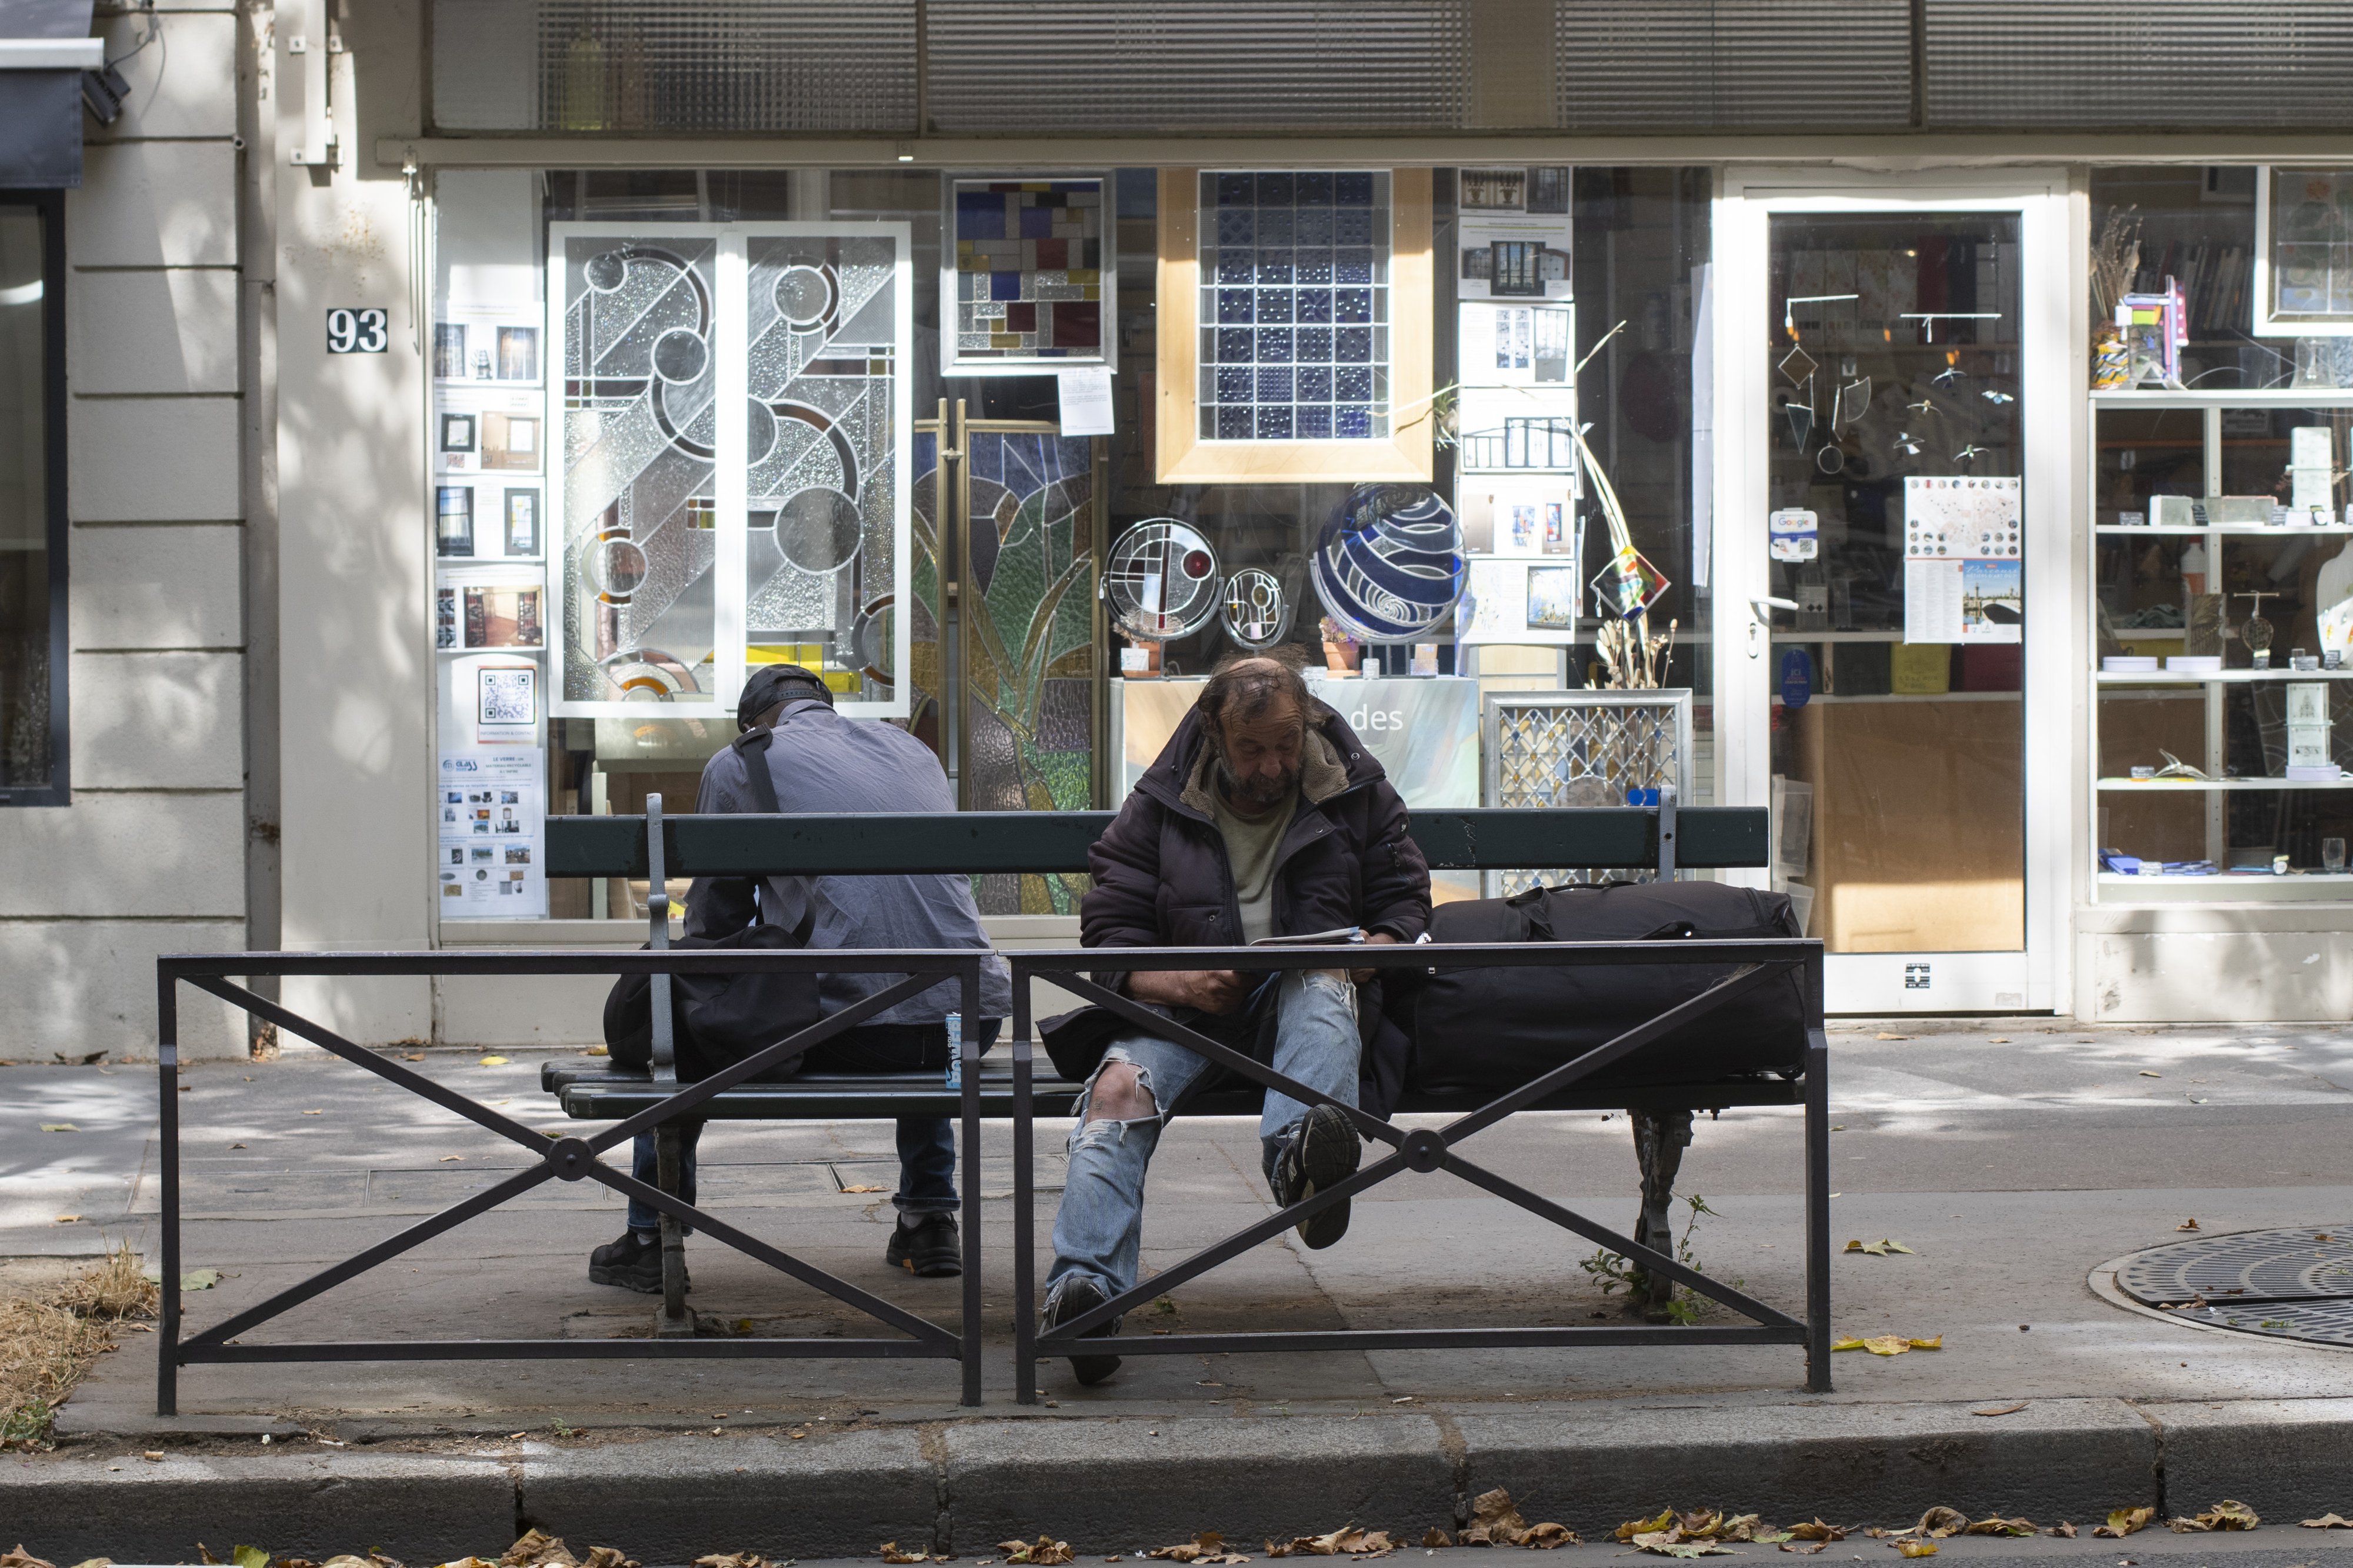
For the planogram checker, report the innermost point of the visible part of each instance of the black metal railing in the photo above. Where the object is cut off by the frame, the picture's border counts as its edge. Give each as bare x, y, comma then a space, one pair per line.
568, 1159
1425, 1150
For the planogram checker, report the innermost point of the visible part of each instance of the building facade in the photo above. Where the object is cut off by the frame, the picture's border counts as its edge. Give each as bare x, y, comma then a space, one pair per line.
459, 398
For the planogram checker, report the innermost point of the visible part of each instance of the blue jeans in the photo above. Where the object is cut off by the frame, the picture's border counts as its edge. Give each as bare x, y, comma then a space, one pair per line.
1100, 1228
927, 1148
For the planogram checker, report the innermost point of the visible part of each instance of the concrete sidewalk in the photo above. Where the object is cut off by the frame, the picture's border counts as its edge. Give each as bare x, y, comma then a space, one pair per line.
2015, 1165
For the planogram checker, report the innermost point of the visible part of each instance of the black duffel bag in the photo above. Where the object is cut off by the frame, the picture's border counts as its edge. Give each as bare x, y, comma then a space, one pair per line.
1488, 1030
718, 1020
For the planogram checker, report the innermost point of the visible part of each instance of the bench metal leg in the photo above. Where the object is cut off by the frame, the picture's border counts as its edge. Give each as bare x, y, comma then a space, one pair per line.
1660, 1139
1817, 1208
673, 1318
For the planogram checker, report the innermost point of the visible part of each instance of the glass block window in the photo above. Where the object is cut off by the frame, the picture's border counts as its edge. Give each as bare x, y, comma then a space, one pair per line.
1030, 272
1295, 309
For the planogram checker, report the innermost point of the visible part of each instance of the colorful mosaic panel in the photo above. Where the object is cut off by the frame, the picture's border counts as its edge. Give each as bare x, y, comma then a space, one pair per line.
1294, 320
1029, 270
1029, 675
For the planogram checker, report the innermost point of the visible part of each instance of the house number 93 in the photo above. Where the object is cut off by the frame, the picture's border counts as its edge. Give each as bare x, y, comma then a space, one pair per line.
351, 332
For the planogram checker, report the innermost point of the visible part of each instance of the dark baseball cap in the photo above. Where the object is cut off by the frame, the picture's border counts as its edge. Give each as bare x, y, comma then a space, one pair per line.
775, 683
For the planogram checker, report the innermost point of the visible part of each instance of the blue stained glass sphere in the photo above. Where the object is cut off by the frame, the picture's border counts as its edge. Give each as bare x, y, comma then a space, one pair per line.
1389, 562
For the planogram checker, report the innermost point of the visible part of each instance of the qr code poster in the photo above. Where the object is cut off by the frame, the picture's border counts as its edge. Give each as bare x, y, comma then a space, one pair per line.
508, 696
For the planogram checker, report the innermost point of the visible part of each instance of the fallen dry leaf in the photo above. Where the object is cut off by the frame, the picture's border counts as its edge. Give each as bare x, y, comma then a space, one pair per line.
1209, 1546
2326, 1521
866, 1189
1045, 1551
494, 1061
2124, 1521
52, 1127
731, 1560
1916, 1548
891, 1553
1885, 1035
2146, 1073
2005, 1409
1941, 1522
2228, 1514
1817, 1531
1669, 1543
537, 1549
446, 1158
1879, 1248
1999, 1526
1634, 1527
1544, 1537
2063, 1530
1998, 1040
2189, 1223
20, 1558
412, 1056
314, 1113
1890, 1344
1434, 1537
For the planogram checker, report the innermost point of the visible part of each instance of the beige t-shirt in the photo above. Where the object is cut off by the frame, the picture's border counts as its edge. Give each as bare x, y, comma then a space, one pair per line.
1250, 846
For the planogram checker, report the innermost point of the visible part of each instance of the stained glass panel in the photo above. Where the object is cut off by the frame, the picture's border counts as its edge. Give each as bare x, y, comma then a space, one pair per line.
637, 502
824, 332
1295, 318
1032, 274
1029, 673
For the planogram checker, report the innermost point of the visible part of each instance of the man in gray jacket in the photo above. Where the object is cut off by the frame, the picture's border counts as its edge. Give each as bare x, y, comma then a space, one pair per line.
821, 762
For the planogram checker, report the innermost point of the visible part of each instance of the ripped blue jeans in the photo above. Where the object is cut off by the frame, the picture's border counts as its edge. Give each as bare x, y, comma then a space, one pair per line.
1099, 1230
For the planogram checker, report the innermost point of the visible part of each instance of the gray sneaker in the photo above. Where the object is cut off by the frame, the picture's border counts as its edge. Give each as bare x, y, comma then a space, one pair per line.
1324, 1150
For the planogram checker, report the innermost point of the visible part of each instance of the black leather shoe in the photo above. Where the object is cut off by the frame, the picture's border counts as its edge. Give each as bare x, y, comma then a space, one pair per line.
1324, 1150
1077, 1296
932, 1248
631, 1264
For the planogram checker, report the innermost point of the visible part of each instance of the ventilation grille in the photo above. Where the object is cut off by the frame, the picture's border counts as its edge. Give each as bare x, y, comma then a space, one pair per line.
2191, 64
1679, 65
1140, 66
613, 67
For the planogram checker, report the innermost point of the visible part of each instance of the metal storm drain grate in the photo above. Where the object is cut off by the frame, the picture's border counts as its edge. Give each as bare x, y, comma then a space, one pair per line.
2292, 1284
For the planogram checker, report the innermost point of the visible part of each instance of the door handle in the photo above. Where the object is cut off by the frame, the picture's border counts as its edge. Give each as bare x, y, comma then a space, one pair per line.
1761, 612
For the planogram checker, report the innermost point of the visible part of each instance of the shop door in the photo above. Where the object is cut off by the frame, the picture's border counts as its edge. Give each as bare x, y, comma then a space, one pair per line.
1893, 520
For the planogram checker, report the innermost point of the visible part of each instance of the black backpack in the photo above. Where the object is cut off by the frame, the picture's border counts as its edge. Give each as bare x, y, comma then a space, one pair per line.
718, 1020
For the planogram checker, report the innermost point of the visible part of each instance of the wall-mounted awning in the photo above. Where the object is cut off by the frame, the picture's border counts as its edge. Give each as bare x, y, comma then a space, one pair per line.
44, 46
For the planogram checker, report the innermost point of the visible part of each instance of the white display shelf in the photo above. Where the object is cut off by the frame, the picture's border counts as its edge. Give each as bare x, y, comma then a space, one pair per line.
2223, 676
2259, 878
2275, 531
2235, 397
2209, 786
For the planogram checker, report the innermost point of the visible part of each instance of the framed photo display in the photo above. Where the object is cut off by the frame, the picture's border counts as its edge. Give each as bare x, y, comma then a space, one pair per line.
1029, 279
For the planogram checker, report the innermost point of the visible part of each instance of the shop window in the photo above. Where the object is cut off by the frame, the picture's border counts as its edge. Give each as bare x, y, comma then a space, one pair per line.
33, 756
600, 530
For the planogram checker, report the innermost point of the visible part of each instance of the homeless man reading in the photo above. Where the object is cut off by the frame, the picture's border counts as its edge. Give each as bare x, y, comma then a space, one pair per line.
818, 760
1264, 816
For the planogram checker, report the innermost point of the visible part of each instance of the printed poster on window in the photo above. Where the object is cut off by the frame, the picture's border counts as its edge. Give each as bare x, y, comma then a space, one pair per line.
1963, 570
493, 828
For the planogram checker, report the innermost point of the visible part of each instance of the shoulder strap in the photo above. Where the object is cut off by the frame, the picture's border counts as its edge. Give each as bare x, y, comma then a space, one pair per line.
753, 747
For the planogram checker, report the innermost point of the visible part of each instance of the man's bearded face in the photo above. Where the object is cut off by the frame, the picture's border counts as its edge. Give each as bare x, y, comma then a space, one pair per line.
1258, 759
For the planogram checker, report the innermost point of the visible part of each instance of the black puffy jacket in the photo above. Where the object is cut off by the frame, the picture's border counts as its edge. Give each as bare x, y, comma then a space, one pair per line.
1162, 877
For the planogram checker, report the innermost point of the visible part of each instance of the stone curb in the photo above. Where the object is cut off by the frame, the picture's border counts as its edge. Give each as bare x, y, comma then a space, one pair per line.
1114, 1484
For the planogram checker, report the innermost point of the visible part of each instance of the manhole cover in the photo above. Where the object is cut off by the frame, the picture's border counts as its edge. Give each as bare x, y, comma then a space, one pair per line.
2290, 1284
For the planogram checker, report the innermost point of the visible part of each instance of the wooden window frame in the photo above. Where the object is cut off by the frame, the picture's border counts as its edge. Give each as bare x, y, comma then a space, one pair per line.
1182, 458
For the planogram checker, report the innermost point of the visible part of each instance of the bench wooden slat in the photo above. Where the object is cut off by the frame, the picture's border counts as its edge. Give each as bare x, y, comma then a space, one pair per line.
850, 843
611, 1097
